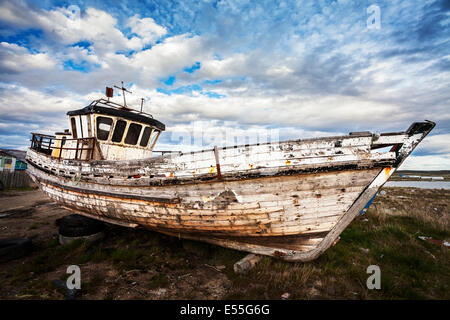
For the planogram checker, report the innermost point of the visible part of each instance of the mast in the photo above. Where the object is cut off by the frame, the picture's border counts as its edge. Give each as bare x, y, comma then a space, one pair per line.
123, 93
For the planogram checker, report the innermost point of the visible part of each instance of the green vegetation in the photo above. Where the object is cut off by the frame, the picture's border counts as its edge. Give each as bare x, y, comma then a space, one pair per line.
158, 281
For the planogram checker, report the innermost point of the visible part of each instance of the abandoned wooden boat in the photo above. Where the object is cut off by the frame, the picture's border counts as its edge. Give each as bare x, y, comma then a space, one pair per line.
288, 199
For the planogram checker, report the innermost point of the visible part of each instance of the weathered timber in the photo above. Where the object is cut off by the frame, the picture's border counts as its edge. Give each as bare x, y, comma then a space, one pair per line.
246, 263
289, 200
199, 209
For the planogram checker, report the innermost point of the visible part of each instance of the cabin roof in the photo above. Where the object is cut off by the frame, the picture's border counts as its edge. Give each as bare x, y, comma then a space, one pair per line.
104, 107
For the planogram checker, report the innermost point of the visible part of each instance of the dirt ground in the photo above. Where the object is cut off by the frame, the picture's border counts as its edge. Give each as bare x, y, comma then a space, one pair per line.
31, 215
139, 264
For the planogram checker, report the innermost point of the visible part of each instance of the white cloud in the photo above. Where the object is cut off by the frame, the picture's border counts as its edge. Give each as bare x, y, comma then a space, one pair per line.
95, 25
166, 58
234, 65
146, 29
68, 27
78, 54
14, 58
297, 110
16, 13
439, 143
430, 162
21, 103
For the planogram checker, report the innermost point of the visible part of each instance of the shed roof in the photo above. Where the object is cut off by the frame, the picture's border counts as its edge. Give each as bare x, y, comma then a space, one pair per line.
18, 154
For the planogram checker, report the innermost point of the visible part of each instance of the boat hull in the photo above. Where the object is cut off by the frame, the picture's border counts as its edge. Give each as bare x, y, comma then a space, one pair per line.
290, 200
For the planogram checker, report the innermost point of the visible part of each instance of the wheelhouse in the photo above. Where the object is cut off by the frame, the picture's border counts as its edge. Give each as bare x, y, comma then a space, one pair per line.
103, 130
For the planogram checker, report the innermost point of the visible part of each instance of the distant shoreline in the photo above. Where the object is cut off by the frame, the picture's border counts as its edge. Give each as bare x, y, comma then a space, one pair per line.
402, 175
421, 184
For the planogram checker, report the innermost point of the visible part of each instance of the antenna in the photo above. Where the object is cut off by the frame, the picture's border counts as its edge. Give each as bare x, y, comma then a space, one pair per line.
123, 93
142, 103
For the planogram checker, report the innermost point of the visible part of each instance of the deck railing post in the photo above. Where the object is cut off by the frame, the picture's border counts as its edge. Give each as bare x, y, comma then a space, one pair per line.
80, 154
216, 154
91, 155
76, 151
60, 149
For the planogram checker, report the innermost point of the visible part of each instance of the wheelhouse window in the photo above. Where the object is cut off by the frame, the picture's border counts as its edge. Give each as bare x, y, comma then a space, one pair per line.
84, 126
134, 130
74, 127
145, 136
155, 136
104, 125
119, 129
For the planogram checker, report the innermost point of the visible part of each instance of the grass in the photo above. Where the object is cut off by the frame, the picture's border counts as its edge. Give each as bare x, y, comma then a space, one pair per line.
93, 284
158, 281
410, 267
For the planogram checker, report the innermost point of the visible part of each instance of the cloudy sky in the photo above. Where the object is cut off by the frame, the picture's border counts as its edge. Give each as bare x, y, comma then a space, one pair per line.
232, 70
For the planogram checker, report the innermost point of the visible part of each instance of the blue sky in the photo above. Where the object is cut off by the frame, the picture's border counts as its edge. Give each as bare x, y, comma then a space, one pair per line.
240, 68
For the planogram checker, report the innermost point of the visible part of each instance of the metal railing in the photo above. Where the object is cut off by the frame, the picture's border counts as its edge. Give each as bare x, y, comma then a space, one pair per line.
163, 152
47, 144
117, 106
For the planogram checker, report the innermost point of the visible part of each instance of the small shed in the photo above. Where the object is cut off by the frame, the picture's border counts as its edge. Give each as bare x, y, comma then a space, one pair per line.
12, 160
12, 169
